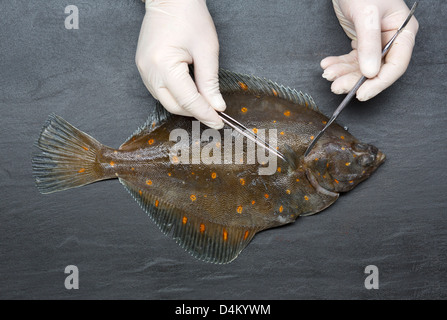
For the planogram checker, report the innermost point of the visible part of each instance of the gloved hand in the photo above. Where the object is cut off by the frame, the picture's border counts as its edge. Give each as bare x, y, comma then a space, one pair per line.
371, 24
175, 33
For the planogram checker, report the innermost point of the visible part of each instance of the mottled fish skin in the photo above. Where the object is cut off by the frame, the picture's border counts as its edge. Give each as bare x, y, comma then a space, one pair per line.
214, 210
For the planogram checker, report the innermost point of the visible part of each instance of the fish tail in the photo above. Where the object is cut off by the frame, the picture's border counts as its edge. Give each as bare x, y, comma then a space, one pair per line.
68, 157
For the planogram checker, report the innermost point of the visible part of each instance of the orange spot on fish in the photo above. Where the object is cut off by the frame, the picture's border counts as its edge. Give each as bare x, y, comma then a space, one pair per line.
354, 155
243, 86
297, 180
112, 164
306, 198
342, 137
242, 181
149, 182
192, 173
151, 141
324, 177
255, 130
288, 191
324, 122
169, 174
347, 164
193, 197
244, 109
312, 137
287, 113
274, 121
246, 234
156, 203
153, 124
266, 196
279, 169
316, 159
213, 175
202, 228
132, 168
253, 202
140, 192
239, 209
184, 220
327, 165
343, 148
281, 209
81, 170
351, 181
336, 181
225, 235
281, 133
274, 92
85, 148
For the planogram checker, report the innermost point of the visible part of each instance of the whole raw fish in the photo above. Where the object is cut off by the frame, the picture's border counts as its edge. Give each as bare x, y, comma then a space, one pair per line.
213, 206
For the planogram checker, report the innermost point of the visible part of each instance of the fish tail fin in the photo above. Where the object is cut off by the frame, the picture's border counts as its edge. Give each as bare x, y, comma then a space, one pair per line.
68, 157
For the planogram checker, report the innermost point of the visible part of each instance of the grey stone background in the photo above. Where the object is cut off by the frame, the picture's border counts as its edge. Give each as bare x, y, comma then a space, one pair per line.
396, 220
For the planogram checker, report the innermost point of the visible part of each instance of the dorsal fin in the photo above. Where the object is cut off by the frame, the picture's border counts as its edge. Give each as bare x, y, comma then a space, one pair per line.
155, 119
231, 82
236, 82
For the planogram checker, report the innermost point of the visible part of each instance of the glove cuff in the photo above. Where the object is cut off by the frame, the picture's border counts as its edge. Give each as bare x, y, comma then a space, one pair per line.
347, 26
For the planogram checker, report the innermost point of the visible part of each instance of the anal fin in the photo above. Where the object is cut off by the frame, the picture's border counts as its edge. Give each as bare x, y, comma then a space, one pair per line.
204, 239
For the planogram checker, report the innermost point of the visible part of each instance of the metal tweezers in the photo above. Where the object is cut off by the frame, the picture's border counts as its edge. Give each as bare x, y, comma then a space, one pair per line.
249, 134
351, 93
254, 137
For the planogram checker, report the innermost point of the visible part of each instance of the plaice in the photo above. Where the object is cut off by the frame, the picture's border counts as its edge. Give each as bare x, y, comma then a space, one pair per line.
213, 209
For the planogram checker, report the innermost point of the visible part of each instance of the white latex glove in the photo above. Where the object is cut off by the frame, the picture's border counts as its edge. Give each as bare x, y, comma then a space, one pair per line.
175, 33
371, 24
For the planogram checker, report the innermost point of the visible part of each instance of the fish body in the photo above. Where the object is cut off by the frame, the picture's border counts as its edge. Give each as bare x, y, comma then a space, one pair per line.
193, 182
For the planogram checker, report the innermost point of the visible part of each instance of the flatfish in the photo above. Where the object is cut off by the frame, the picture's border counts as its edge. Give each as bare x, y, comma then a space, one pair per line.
208, 189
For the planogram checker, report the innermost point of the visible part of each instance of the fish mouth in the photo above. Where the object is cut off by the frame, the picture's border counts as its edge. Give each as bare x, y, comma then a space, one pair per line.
380, 157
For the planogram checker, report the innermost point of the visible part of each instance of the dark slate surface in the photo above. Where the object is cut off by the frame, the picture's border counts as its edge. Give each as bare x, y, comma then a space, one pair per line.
396, 220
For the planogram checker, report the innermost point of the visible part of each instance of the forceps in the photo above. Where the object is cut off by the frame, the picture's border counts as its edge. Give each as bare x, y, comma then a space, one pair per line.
351, 93
249, 134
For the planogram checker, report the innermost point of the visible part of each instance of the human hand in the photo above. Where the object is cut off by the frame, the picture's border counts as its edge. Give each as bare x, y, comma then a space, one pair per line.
174, 34
371, 24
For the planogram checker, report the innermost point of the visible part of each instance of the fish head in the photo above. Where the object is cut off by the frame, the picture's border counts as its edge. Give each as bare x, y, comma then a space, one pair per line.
338, 166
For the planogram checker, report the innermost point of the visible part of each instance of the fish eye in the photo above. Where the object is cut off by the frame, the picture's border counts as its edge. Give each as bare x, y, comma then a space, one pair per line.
361, 146
366, 160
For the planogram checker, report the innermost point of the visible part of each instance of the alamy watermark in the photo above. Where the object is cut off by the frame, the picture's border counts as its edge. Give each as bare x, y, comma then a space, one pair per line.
209, 147
372, 280
72, 280
72, 20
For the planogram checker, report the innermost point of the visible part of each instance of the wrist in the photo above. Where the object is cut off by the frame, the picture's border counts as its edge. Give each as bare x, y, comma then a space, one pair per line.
149, 2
